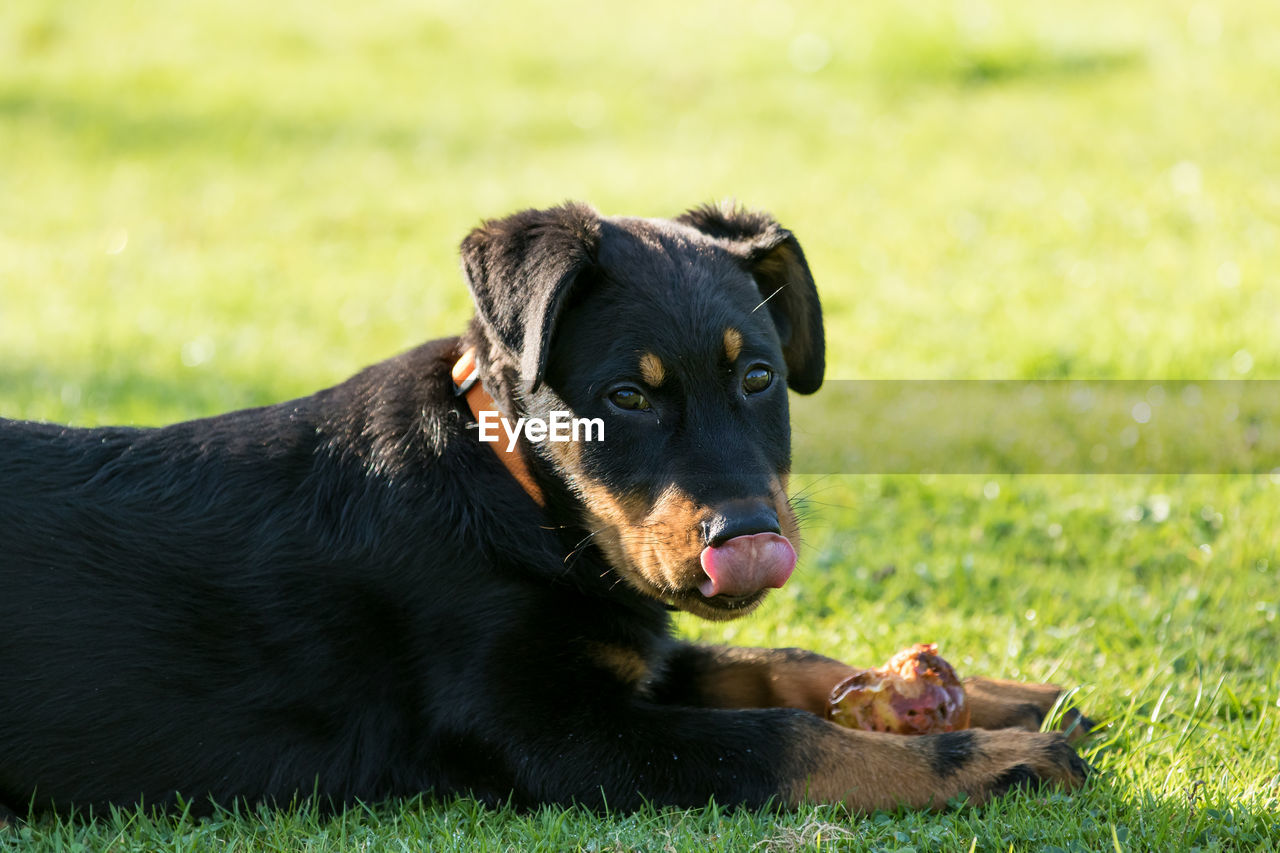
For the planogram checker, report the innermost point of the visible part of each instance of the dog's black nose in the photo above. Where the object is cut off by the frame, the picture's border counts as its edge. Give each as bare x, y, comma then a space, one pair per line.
739, 518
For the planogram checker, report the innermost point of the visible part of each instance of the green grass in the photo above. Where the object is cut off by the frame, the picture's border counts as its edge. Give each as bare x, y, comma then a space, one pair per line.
210, 205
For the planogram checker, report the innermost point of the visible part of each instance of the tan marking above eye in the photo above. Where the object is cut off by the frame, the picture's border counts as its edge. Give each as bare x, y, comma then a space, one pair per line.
652, 370
732, 343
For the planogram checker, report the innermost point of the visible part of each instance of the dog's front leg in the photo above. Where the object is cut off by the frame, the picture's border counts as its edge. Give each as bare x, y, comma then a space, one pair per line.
605, 755
732, 677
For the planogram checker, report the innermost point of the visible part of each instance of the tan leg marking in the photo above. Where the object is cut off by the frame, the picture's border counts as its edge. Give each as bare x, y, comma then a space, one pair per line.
771, 678
628, 664
869, 770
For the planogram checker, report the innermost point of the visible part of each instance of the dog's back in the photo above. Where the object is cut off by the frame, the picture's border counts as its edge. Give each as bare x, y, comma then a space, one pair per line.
229, 601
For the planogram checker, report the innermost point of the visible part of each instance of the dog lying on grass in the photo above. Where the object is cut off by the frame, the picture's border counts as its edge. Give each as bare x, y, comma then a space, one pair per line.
351, 595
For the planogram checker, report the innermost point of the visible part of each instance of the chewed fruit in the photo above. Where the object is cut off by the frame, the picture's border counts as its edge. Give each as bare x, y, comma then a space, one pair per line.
916, 692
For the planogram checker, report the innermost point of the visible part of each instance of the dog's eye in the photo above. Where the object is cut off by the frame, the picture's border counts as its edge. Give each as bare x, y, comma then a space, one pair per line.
757, 379
628, 398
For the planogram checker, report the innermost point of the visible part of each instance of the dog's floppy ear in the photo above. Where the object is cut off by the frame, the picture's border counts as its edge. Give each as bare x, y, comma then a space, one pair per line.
521, 269
774, 257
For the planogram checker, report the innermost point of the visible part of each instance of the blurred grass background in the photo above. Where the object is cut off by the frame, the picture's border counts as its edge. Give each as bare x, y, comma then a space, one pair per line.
211, 205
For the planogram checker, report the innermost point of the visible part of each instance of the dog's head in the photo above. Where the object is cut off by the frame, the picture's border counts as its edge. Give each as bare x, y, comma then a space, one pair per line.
681, 337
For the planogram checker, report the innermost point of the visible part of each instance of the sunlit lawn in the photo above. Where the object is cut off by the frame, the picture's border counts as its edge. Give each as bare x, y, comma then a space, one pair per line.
211, 205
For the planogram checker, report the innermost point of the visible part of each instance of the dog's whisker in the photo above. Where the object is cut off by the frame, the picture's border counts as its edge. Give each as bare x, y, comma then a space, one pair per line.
767, 298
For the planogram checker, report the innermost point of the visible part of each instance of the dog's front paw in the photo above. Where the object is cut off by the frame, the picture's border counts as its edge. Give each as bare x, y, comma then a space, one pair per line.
869, 770
996, 704
989, 764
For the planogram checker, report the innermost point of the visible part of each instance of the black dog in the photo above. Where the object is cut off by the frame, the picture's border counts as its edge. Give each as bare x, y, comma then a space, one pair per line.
352, 595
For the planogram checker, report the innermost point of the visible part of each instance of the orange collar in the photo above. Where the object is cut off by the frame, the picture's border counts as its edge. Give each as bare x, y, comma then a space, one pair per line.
466, 382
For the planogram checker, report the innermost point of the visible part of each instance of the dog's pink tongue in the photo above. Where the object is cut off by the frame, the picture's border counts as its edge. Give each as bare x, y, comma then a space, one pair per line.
747, 564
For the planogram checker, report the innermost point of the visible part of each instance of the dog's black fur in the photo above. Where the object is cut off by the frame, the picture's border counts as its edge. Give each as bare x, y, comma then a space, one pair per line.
348, 594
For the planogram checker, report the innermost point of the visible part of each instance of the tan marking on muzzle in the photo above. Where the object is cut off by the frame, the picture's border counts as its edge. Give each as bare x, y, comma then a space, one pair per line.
655, 548
787, 521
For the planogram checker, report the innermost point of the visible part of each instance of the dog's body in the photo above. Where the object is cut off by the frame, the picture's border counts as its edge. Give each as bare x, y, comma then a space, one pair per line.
350, 595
